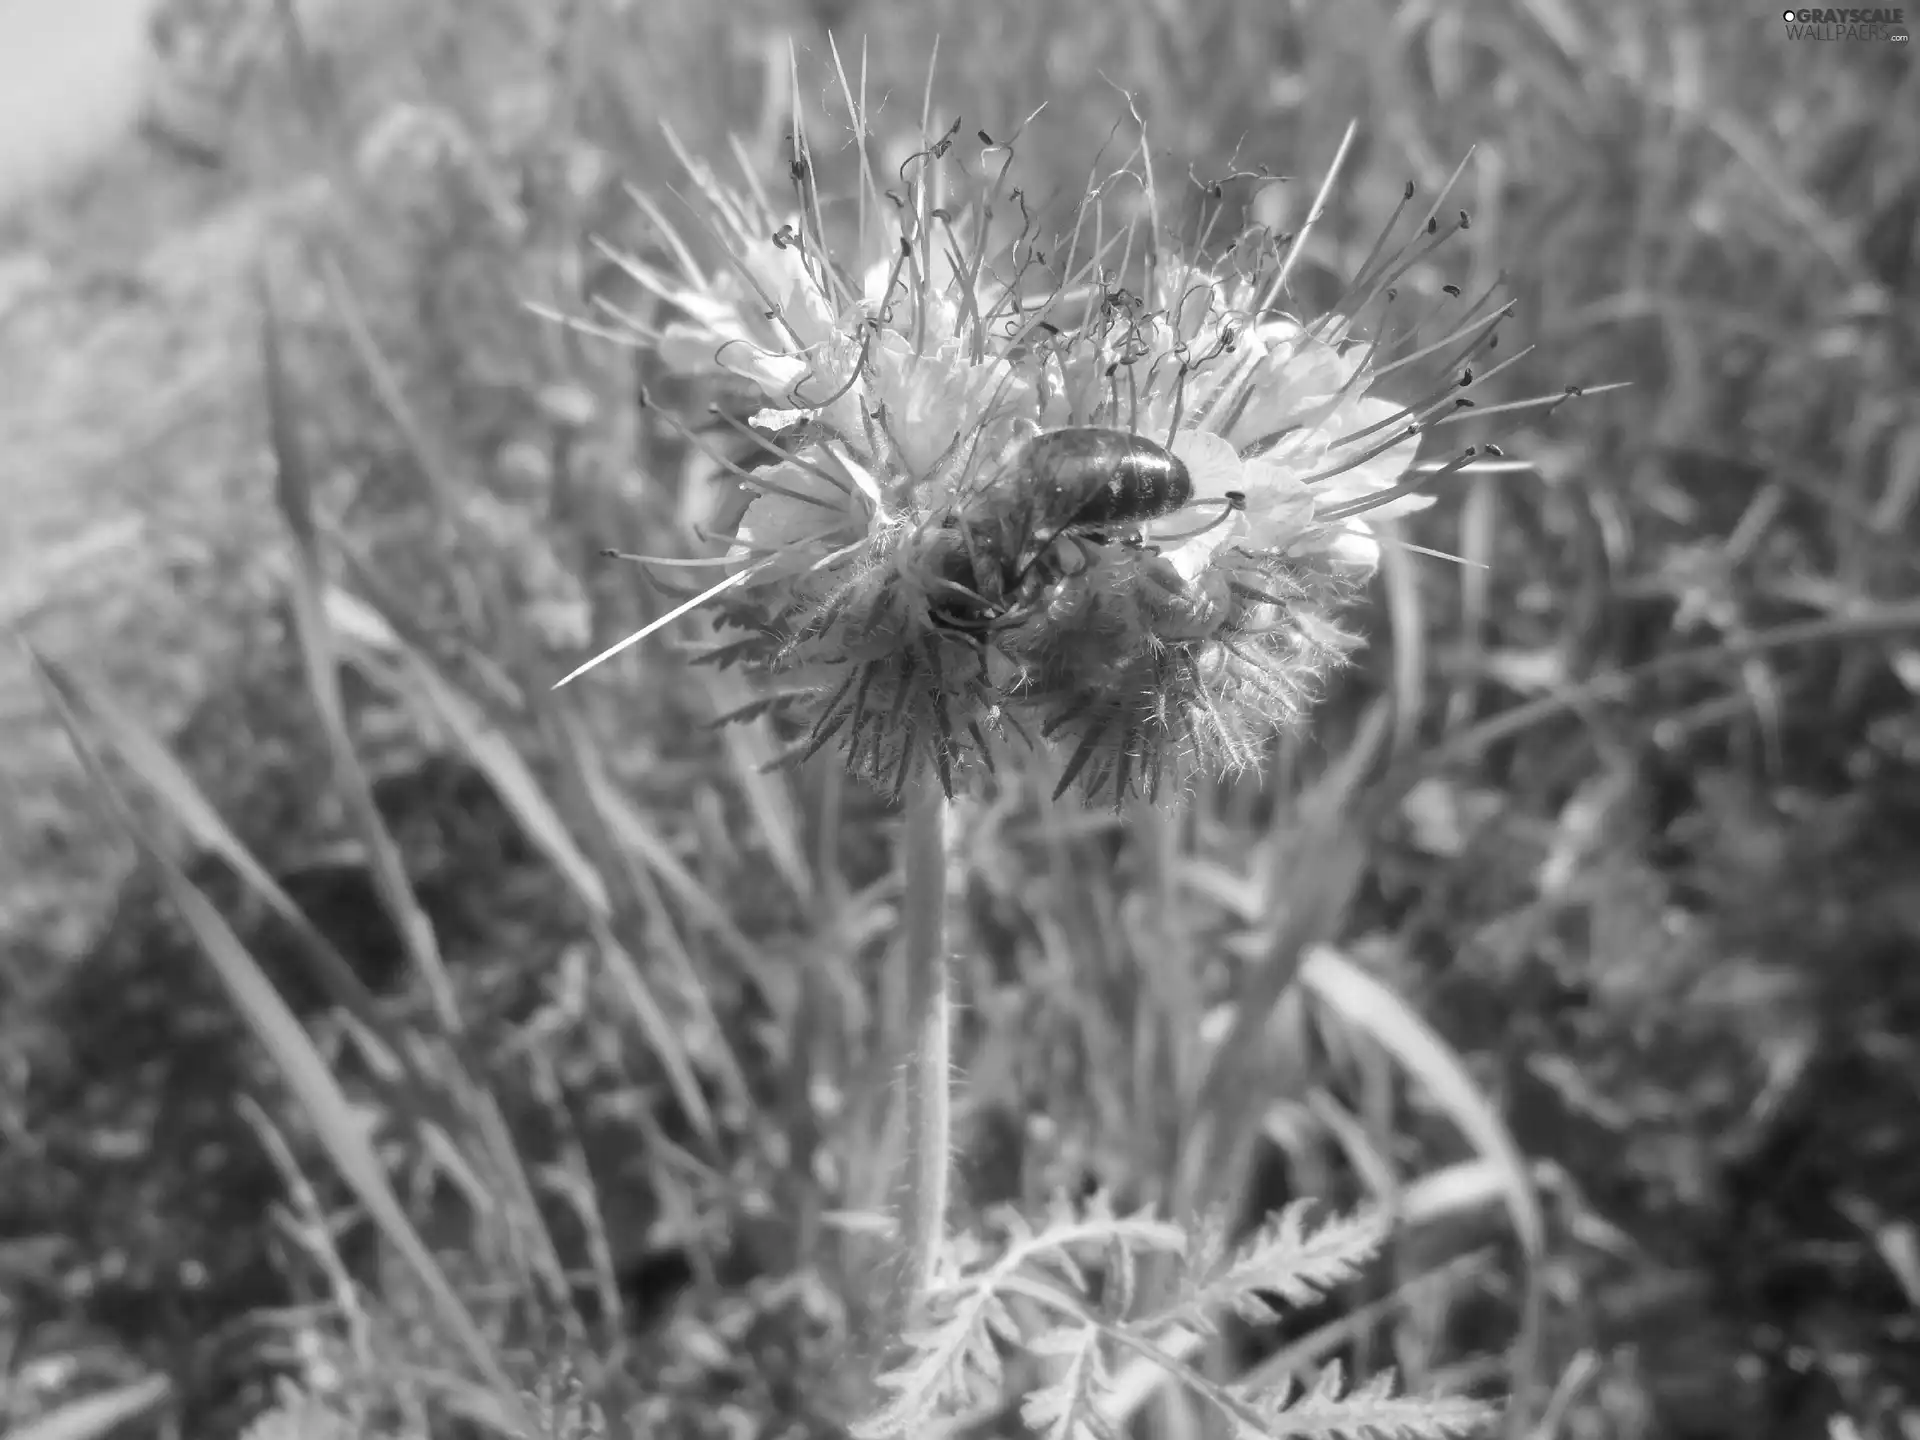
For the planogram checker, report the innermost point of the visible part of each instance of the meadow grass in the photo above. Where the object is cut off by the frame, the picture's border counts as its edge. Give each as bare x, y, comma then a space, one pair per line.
1429, 970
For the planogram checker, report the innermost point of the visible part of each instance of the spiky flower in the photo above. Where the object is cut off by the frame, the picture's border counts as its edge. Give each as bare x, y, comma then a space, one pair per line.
925, 581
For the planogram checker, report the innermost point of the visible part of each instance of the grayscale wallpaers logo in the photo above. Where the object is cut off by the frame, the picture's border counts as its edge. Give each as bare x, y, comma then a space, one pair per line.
1819, 24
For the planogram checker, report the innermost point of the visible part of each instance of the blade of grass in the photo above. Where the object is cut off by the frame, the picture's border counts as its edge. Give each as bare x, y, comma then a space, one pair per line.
293, 493
292, 1050
1377, 1010
1619, 684
769, 796
431, 695
607, 830
1479, 524
436, 699
1373, 1008
638, 836
1312, 873
1408, 622
99, 1415
419, 1098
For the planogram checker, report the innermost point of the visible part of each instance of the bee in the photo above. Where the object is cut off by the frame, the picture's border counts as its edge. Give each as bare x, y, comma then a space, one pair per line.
997, 556
1089, 477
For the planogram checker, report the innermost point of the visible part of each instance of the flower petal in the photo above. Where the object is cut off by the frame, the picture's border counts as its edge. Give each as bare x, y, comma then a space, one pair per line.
935, 401
797, 506
1278, 506
1293, 381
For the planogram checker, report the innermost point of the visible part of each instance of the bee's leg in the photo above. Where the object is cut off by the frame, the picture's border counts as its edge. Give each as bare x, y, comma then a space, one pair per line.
979, 562
1081, 548
952, 619
1046, 572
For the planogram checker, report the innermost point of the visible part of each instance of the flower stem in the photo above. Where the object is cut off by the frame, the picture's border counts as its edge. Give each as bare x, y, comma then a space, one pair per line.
928, 1029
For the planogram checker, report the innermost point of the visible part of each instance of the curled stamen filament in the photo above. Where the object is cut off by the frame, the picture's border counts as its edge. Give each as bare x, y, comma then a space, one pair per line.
1231, 504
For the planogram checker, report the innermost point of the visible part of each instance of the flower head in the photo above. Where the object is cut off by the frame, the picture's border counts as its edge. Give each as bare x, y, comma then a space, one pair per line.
931, 571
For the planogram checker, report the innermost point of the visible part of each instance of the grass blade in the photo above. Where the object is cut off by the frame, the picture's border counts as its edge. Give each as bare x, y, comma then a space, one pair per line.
1367, 1005
300, 1064
419, 1097
99, 1415
437, 701
293, 492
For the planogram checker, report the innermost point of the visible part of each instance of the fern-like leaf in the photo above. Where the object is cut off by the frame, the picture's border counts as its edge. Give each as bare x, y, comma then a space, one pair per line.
1328, 1410
951, 1362
1068, 1408
953, 1358
1289, 1258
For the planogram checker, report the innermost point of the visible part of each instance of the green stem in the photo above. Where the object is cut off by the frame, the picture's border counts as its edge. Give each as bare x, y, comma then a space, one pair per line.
928, 1028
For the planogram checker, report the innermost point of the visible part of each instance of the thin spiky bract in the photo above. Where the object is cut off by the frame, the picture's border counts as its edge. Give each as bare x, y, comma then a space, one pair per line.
1064, 1292
910, 331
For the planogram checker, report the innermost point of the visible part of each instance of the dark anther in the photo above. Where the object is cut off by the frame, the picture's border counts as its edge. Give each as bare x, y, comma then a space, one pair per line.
1433, 225
1453, 290
1409, 191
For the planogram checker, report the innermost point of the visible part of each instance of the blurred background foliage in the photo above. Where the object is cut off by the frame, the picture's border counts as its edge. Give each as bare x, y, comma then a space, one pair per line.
1626, 808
